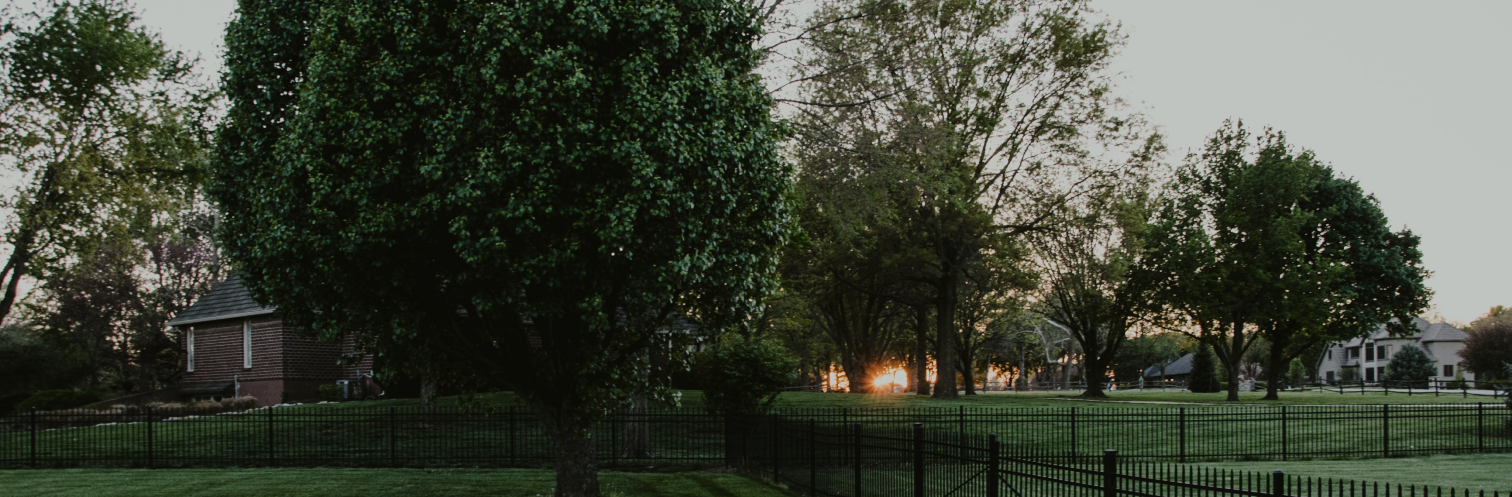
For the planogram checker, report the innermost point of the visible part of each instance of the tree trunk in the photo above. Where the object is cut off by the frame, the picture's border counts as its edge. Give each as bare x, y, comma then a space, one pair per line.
637, 439
576, 467
921, 344
945, 339
1232, 364
1093, 373
427, 397
1274, 370
855, 375
968, 373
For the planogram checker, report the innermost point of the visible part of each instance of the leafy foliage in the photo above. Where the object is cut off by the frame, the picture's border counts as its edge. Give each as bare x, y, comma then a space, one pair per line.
1487, 348
1410, 367
743, 376
105, 127
505, 194
48, 400
938, 133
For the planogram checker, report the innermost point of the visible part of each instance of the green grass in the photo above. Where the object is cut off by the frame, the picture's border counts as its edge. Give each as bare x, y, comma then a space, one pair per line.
1475, 471
335, 482
1121, 399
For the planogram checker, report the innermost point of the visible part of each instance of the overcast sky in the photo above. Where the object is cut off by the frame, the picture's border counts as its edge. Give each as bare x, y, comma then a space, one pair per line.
1409, 98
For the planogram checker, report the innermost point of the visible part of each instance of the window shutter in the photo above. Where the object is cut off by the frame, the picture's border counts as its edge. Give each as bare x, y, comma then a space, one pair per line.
189, 345
247, 343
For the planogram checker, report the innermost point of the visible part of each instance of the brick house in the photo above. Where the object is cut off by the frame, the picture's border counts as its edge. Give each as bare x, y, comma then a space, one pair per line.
234, 347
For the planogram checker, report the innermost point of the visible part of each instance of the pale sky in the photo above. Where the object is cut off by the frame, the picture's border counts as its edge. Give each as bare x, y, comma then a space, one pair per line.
1409, 98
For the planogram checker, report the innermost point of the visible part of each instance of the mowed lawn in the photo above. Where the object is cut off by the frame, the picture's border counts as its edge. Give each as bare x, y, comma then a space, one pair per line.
339, 482
1488, 472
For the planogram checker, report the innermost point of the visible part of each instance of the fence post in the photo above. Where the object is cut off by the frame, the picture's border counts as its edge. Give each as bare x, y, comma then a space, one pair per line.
513, 452
918, 459
1110, 473
270, 435
1181, 424
393, 436
149, 436
993, 463
34, 437
961, 429
858, 461
813, 459
1385, 430
1278, 484
1480, 425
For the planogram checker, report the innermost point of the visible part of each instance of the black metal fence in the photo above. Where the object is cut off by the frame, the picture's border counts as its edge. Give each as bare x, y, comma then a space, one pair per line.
358, 435
818, 459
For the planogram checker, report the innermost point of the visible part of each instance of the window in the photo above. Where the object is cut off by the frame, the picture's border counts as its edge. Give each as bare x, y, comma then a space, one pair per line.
1370, 374
1330, 354
1381, 373
247, 344
1330, 376
189, 348
1381, 351
1354, 353
1369, 353
1449, 370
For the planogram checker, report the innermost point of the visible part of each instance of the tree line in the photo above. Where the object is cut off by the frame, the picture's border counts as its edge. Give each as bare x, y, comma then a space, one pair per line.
571, 201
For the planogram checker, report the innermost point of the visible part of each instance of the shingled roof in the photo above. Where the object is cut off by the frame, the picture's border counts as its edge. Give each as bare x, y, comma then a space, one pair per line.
227, 300
1180, 366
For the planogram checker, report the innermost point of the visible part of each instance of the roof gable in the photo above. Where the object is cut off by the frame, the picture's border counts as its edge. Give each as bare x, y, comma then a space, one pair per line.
227, 300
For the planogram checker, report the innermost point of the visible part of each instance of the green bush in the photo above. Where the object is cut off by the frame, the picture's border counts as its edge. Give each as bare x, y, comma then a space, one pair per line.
52, 400
744, 375
328, 392
1410, 368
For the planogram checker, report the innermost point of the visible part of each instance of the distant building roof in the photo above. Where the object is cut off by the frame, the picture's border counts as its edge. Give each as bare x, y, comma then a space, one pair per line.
227, 300
1180, 366
1426, 332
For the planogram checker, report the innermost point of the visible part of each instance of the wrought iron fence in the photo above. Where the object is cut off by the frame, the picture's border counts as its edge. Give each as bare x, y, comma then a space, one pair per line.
819, 459
359, 435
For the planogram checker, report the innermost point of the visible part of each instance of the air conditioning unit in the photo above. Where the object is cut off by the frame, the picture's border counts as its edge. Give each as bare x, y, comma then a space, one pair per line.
344, 389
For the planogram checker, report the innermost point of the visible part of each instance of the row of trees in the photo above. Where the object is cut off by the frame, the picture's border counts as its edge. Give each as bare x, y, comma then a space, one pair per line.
964, 175
543, 197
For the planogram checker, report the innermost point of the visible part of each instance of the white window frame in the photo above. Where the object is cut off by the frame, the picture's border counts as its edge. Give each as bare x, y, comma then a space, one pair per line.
246, 344
189, 347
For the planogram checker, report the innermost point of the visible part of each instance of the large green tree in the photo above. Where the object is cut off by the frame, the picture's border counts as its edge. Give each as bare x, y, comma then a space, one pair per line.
989, 115
1263, 240
104, 128
530, 189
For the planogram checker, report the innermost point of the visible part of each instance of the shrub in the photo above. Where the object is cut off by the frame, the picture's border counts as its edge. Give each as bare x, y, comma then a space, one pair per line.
1459, 380
328, 392
1410, 368
744, 375
52, 400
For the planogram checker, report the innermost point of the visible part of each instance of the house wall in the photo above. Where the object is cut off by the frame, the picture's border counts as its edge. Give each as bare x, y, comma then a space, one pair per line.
286, 364
1442, 353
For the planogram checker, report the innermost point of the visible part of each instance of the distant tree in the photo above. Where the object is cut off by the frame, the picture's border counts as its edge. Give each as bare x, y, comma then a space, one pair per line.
101, 127
1294, 372
1410, 367
1487, 350
1203, 378
1497, 313
1139, 353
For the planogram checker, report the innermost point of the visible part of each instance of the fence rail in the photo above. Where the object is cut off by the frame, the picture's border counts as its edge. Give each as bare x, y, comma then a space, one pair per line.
356, 435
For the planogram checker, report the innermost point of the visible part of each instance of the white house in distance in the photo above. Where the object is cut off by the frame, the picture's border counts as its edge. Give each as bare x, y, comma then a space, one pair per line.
1368, 356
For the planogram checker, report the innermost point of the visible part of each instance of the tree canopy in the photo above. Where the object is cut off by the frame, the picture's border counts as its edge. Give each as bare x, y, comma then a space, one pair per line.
529, 190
